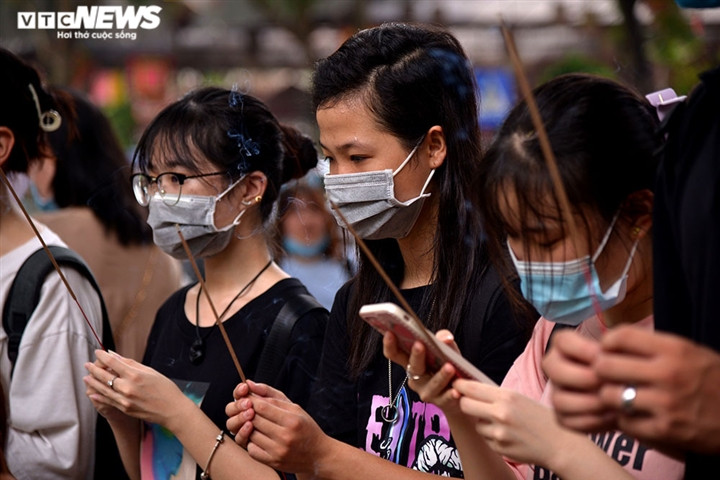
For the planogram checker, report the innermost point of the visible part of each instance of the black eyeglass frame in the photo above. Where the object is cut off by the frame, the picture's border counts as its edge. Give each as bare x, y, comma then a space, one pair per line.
149, 179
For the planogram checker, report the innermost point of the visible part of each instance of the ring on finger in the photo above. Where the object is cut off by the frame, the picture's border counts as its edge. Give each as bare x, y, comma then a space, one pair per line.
111, 382
627, 399
411, 375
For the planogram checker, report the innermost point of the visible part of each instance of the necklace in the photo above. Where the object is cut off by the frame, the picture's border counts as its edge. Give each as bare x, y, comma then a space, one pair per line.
390, 412
197, 349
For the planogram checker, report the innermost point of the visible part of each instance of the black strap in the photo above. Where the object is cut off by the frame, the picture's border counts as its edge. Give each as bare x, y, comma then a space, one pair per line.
277, 343
20, 304
24, 295
556, 327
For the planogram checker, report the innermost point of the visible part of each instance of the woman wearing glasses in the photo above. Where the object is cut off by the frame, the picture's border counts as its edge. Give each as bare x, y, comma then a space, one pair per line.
210, 168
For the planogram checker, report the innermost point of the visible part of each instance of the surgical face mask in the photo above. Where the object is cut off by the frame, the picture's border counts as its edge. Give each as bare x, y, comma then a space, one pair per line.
195, 215
306, 250
367, 200
560, 290
42, 204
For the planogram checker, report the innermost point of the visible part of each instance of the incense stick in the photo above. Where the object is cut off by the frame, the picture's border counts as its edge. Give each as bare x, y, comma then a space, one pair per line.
203, 287
548, 154
388, 281
50, 255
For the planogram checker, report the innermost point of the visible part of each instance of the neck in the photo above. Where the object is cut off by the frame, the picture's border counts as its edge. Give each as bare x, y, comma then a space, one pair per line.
237, 264
417, 248
638, 302
14, 229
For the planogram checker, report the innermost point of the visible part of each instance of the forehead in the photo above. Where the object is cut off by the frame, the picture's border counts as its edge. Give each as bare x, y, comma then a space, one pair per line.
349, 123
520, 212
167, 153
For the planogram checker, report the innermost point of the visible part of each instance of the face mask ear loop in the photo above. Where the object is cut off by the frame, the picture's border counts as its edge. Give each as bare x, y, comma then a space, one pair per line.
232, 185
606, 238
412, 152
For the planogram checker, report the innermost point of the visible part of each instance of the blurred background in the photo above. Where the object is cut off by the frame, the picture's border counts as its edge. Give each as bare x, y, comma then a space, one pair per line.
268, 47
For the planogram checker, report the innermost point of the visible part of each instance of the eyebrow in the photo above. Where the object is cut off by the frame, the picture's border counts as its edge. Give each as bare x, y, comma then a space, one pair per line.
345, 146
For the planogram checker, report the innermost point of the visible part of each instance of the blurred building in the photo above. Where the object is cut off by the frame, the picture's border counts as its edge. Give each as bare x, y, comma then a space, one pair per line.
268, 47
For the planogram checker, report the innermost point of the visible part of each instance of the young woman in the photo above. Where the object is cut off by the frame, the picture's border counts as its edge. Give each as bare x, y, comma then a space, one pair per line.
210, 166
312, 247
595, 277
397, 114
51, 425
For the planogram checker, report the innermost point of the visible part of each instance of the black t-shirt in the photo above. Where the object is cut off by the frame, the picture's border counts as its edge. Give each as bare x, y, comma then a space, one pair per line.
686, 230
491, 338
212, 382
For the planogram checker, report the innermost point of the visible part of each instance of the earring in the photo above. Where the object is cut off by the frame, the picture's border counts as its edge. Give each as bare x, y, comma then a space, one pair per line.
636, 231
258, 199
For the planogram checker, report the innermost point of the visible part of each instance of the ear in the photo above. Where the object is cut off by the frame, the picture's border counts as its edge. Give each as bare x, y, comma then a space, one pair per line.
639, 207
255, 184
435, 146
7, 141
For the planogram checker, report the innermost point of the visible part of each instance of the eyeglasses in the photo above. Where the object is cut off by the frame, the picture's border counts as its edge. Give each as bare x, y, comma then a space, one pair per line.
168, 185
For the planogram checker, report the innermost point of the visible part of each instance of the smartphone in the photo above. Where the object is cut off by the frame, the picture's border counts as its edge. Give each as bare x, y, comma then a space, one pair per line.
389, 317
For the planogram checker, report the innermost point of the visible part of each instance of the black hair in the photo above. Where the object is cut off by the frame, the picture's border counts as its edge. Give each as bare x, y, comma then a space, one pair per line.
235, 132
92, 169
413, 77
605, 142
19, 112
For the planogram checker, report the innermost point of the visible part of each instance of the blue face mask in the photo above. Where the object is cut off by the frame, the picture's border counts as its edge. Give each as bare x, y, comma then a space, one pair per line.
698, 3
560, 290
42, 204
302, 249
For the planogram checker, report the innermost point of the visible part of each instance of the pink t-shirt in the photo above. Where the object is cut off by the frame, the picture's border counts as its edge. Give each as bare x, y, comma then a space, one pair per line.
526, 376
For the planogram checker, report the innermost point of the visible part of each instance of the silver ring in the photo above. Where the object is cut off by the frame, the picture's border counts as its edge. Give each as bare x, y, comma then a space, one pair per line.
111, 381
627, 398
411, 375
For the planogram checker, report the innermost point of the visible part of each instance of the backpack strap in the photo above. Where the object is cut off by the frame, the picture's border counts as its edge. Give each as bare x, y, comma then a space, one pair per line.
277, 343
24, 295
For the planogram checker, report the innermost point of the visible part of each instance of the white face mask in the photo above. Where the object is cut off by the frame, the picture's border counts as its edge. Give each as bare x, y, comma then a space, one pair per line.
367, 200
195, 215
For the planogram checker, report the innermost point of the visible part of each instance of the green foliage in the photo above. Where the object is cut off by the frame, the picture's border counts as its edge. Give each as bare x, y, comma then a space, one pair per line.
575, 63
120, 116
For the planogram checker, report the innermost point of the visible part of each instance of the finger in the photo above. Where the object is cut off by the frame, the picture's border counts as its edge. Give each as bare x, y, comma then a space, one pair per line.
242, 437
392, 350
631, 339
589, 423
416, 366
475, 390
567, 372
235, 423
621, 368
119, 364
474, 408
570, 344
102, 378
266, 391
232, 409
241, 391
573, 403
258, 447
434, 384
447, 338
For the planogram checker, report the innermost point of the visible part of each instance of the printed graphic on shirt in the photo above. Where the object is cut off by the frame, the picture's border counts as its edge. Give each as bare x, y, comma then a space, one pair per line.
162, 456
418, 438
625, 450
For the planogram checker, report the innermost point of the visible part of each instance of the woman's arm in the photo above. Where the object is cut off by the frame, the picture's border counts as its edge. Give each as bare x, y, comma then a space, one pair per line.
145, 394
